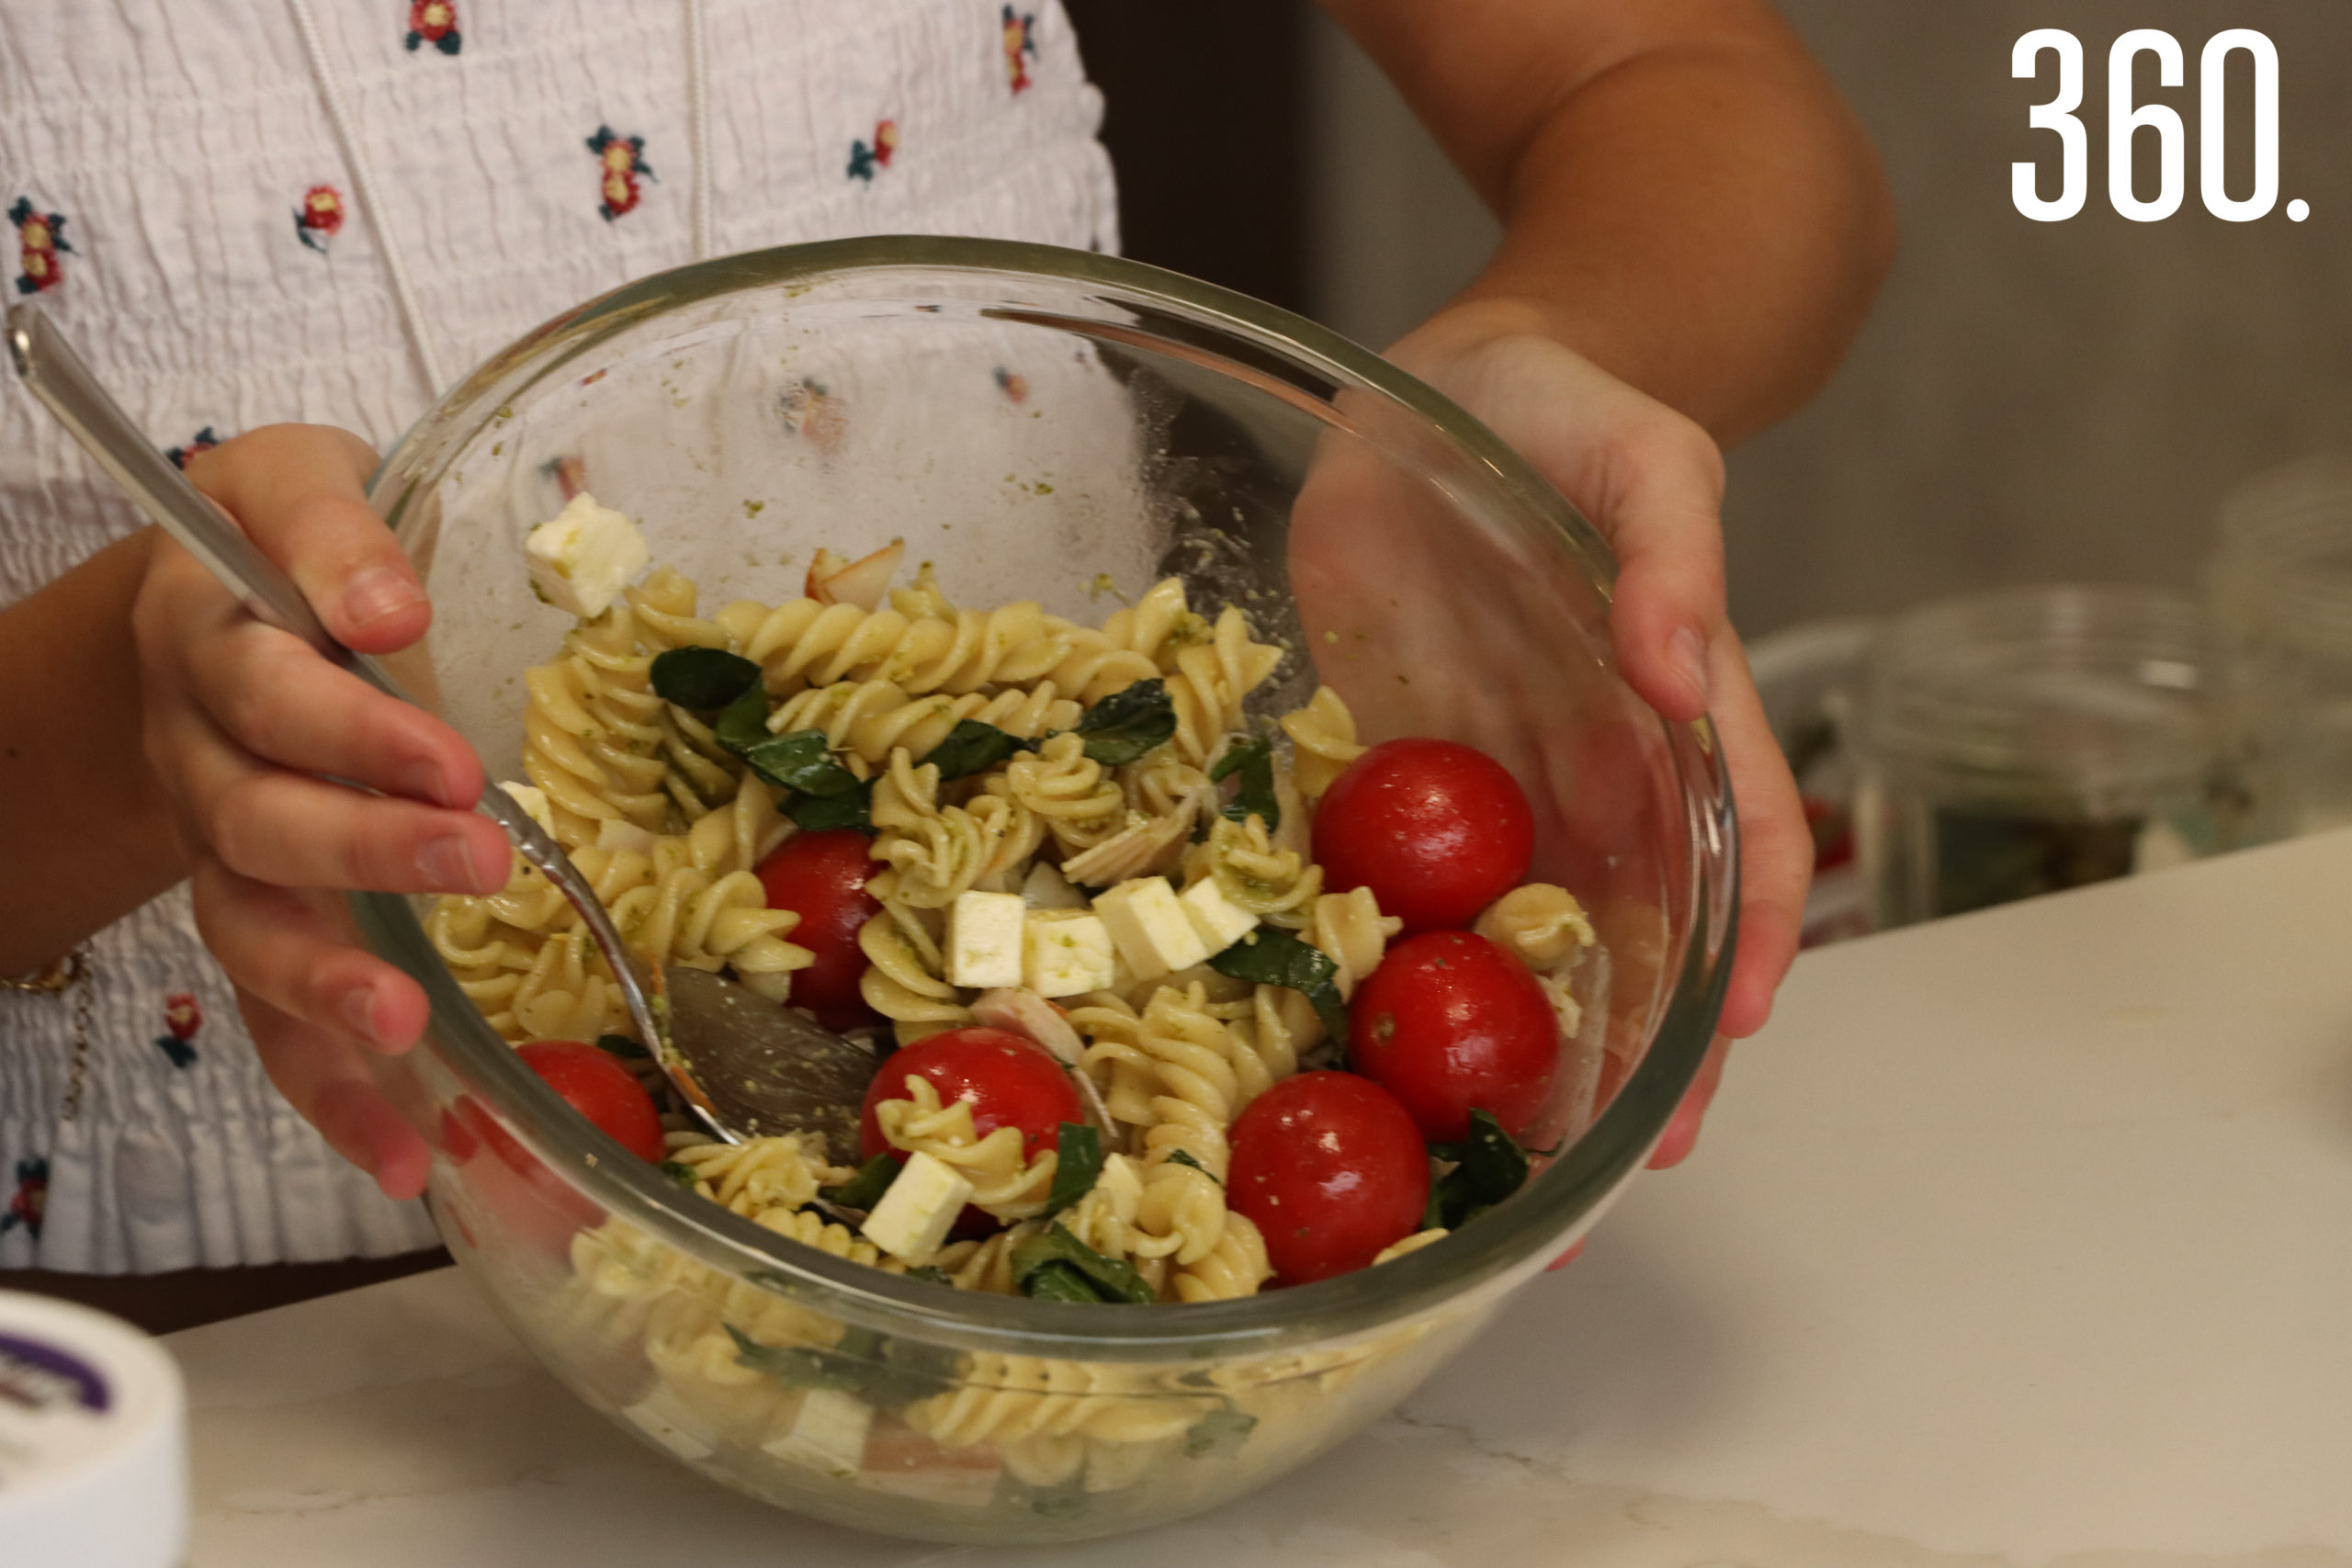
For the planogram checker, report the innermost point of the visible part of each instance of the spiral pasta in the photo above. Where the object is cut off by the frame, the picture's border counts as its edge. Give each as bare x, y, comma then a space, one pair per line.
1211, 680
1005, 1182
1080, 805
941, 851
1323, 741
1276, 885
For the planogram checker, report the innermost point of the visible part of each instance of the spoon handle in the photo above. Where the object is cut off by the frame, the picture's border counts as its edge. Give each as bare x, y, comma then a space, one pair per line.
55, 374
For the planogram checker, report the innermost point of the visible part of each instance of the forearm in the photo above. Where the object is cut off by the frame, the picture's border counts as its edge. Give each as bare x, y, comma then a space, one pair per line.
1688, 203
84, 830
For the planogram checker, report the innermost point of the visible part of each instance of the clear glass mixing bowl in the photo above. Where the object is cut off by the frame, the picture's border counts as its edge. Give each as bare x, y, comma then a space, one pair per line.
1059, 426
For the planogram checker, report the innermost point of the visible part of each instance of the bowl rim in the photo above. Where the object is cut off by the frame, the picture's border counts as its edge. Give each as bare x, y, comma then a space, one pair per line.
1505, 1246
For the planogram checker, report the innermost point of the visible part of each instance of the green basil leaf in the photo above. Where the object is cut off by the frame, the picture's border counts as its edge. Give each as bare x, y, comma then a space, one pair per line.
679, 1172
1219, 1433
1254, 761
1077, 1170
886, 1371
1127, 723
1488, 1167
1184, 1157
819, 812
702, 678
1064, 1500
621, 1046
1270, 956
745, 723
971, 748
865, 1189
937, 1276
802, 761
1115, 1280
1059, 1282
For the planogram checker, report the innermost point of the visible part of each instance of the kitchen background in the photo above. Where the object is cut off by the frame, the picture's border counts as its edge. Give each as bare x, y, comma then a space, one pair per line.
2031, 402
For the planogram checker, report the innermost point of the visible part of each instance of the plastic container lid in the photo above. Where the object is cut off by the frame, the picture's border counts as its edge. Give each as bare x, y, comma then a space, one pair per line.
93, 1440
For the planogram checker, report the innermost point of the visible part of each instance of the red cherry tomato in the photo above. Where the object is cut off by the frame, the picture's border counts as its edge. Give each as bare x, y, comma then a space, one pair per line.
601, 1089
1438, 831
518, 1200
1450, 1023
822, 877
1009, 1082
1331, 1169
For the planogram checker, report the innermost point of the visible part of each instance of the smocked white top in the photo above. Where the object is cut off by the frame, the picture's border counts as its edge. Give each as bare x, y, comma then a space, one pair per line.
252, 210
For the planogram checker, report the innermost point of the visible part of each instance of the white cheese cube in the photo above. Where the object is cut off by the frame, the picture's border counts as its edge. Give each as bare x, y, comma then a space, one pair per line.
534, 801
1150, 928
583, 557
1220, 920
666, 1419
913, 1217
984, 939
827, 1433
1047, 888
623, 837
1063, 953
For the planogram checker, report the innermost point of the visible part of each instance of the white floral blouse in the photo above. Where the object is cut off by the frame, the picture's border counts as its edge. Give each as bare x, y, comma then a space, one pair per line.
254, 211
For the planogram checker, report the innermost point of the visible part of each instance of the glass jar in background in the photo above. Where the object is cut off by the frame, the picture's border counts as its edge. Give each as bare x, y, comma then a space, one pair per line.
2034, 739
2281, 587
1807, 676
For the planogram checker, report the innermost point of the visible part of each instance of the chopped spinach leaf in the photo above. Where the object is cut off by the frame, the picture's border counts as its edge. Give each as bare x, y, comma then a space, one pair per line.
1269, 956
679, 1172
1061, 1282
745, 723
1077, 1167
1111, 1278
1127, 723
972, 746
865, 1189
1063, 1501
937, 1276
702, 678
802, 761
1184, 1157
621, 1046
1254, 761
886, 1371
853, 809
1488, 1167
1219, 1433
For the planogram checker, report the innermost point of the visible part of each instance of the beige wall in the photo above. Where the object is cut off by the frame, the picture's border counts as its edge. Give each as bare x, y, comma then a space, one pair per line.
2031, 402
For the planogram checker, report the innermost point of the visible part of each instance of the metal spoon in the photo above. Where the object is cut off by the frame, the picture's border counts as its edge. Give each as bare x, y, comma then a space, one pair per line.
744, 1066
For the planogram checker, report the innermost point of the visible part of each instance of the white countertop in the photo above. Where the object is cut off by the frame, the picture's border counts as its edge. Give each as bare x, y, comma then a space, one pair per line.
2025, 1236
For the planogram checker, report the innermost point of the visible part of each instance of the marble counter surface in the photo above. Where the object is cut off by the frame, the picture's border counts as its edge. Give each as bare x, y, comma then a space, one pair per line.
2024, 1237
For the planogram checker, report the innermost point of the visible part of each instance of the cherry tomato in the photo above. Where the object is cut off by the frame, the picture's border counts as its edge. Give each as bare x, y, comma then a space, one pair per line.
1331, 1169
822, 877
601, 1089
1450, 1023
1438, 831
517, 1200
1009, 1082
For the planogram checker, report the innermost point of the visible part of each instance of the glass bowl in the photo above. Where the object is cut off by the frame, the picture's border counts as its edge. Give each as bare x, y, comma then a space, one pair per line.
1060, 426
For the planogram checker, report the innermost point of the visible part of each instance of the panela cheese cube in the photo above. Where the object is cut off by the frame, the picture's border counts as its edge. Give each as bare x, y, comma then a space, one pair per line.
1220, 921
1065, 954
583, 557
1150, 928
984, 939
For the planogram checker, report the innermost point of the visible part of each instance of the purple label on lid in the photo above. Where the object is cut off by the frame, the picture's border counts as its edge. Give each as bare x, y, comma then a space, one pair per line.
39, 1376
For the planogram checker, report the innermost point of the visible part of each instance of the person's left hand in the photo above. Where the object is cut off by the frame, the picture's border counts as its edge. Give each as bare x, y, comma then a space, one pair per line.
1651, 481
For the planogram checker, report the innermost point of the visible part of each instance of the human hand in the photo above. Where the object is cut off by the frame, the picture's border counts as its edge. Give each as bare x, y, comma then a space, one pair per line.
1652, 482
244, 724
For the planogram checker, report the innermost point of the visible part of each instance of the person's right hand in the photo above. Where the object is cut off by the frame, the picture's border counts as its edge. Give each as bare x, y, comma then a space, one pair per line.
244, 723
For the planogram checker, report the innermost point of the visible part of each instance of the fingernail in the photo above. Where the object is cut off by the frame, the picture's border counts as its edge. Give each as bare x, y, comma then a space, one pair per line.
359, 1009
447, 865
1691, 660
425, 781
378, 591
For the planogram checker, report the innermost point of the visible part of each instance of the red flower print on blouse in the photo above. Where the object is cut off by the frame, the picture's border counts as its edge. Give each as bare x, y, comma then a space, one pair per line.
863, 160
41, 240
1014, 386
1020, 46
320, 217
433, 22
182, 1018
623, 159
203, 441
30, 1200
